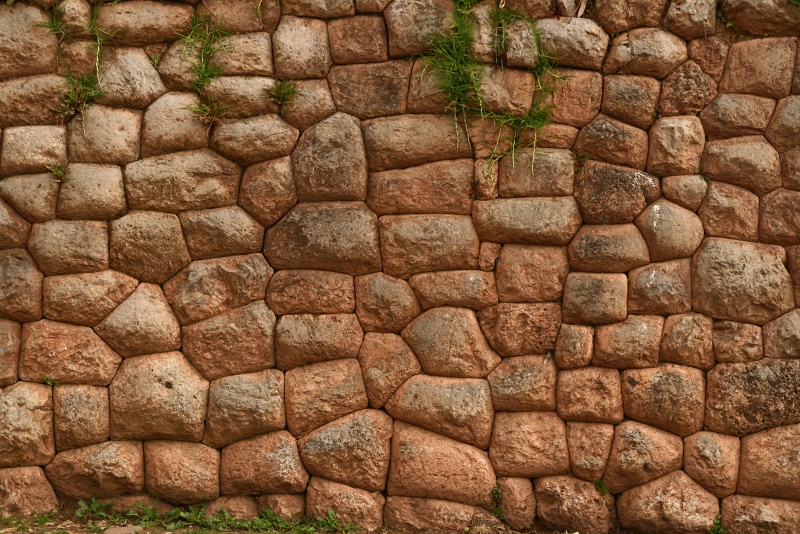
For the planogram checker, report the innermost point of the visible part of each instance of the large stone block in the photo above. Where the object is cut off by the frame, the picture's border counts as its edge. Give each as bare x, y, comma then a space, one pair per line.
26, 46
529, 445
563, 502
26, 490
531, 221
20, 286
768, 464
712, 460
351, 505
610, 194
752, 515
524, 383
632, 343
311, 291
463, 289
254, 139
750, 162
221, 232
646, 51
305, 338
69, 247
264, 464
80, 415
26, 425
386, 363
180, 472
590, 395
411, 22
372, 89
107, 469
761, 67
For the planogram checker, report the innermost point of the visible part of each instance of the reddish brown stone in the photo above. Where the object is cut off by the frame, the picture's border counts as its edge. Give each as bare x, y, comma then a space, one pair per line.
135, 501
309, 291
646, 51
104, 470
793, 255
608, 194
691, 19
15, 230
26, 425
25, 490
529, 445
712, 460
312, 104
241, 96
33, 196
737, 342
69, 247
574, 346
246, 54
105, 135
353, 450
488, 256
576, 42
237, 15
268, 190
730, 211
10, 341
384, 303
751, 515
404, 514
420, 458
532, 221
557, 136
351, 505
424, 94
23, 32
359, 39
80, 415
687, 90
264, 464
518, 502
465, 289
767, 467
251, 140
386, 363
661, 288
779, 220
31, 100
301, 49
20, 286
591, 298
221, 232
180, 472
617, 17
676, 144
519, 329
240, 507
577, 96
686, 191
710, 53
750, 162
29, 149
287, 505
590, 395
143, 22
607, 248
731, 115
782, 336
632, 99
539, 172
670, 231
372, 89
305, 338
524, 383
589, 446
610, 140
563, 502
319, 393
135, 236
790, 165
531, 274
761, 67
243, 406
631, 344
687, 340
784, 129
129, 79
410, 24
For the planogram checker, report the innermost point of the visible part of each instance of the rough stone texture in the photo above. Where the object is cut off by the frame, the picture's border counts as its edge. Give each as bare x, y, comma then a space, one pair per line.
609, 194
301, 49
384, 303
782, 336
33, 196
737, 342
85, 299
574, 346
591, 298
749, 162
524, 383
761, 67
784, 128
613, 141
617, 17
670, 231
661, 288
531, 221
645, 51
360, 39
107, 469
518, 503
10, 341
577, 42
31, 100
768, 466
255, 139
589, 446
263, 464
687, 90
105, 135
630, 344
590, 395
240, 507
69, 247
687, 340
529, 445
29, 149
710, 53
779, 220
351, 505
734, 115
287, 505
686, 191
371, 90
142, 22
80, 416
563, 502
712, 460
301, 339
730, 211
410, 21
20, 286
691, 19
406, 514
26, 432
312, 104
676, 144
754, 514
129, 79
268, 191
632, 99
386, 363
607, 248
310, 291
531, 274
180, 472
27, 47
91, 192
221, 232
577, 97
465, 289
519, 329
25, 490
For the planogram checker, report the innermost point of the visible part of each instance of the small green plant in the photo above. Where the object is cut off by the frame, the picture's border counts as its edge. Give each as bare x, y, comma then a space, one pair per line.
497, 499
795, 2
600, 484
59, 172
44, 518
155, 60
282, 93
83, 90
56, 24
101, 37
579, 160
209, 111
205, 38
92, 510
717, 528
47, 380
9, 2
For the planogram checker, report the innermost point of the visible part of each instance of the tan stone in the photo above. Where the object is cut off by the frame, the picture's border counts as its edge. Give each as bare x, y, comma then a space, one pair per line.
784, 128
80, 416
617, 17
237, 15
424, 94
301, 339
268, 191
107, 469
670, 231
609, 194
312, 104
632, 99
712, 460
751, 515
180, 472
676, 144
25, 490
488, 256
687, 340
616, 142
405, 514
386, 363
69, 247
576, 42
300, 48
263, 464
464, 289
351, 505
20, 286
778, 220
749, 162
238, 506
10, 341
141, 22
645, 51
790, 166
410, 23
782, 336
32, 196
91, 192
661, 288
31, 100
691, 19
608, 248
241, 96
221, 232
287, 505
640, 453
574, 346
761, 67
686, 191
732, 115
247, 54
29, 149
539, 172
630, 344
384, 303
563, 502
519, 329
521, 47
737, 342
589, 447
590, 395
251, 140
26, 425
105, 135
129, 79
531, 221
529, 445
730, 211
309, 291
591, 298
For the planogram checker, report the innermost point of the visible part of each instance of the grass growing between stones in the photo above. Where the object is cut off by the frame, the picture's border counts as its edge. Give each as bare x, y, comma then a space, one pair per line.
282, 93
83, 90
497, 499
205, 38
209, 111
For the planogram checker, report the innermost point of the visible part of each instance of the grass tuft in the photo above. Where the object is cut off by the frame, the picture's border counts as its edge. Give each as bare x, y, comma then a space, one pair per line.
59, 172
497, 498
600, 484
83, 91
282, 93
206, 37
101, 37
209, 111
56, 24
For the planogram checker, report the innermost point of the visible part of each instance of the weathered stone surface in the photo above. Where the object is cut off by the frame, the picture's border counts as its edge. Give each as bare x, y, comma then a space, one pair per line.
712, 460
243, 406
577, 42
247, 54
590, 395
614, 141
263, 464
199, 179
420, 458
104, 470
360, 39
784, 128
537, 9
386, 363
310, 291
241, 96
609, 194
409, 22
27, 47
424, 94
563, 502
737, 342
631, 344
221, 232
300, 48
158, 396
141, 22
594, 298
287, 505
576, 97
540, 172
640, 453
691, 19
710, 53
20, 286
687, 90
25, 490
761, 67
407, 140
464, 289
412, 191
519, 329
661, 288
632, 99
312, 104
268, 190
518, 503
238, 15
574, 346
779, 220
254, 139
68, 247
353, 450
617, 17
732, 115
239, 506
26, 425
782, 336
507, 90
533, 221
29, 149
31, 100
607, 248
175, 65
209, 287
129, 79
329, 162
730, 211
521, 48
645, 51
301, 339
670, 231
686, 191
741, 397
351, 505
755, 514
322, 392
180, 472
10, 341
371, 89
749, 162
793, 256
105, 135
237, 341
65, 353
336, 236
529, 445
524, 383
589, 446
384, 303
80, 415
654, 506
790, 166
767, 467
687, 340
91, 192
406, 514
33, 196
739, 281
85, 299
676, 144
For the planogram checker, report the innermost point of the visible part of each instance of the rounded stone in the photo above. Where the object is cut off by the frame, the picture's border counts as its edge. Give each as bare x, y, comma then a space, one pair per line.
301, 339
262, 465
80, 415
590, 395
180, 472
670, 231
384, 303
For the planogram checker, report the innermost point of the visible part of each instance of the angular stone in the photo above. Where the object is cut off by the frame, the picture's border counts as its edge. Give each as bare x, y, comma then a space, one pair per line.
411, 22
574, 346
300, 48
255, 139
632, 99
420, 458
614, 141
20, 286
337, 236
360, 39
488, 256
767, 467
85, 299
322, 392
631, 344
464, 289
268, 190
589, 446
175, 66
661, 288
182, 181
784, 128
576, 98
732, 115
779, 220
350, 505
221, 232
793, 254
670, 231
790, 167
518, 503
26, 490
68, 247
687, 340
30, 149
507, 90
590, 395
424, 93
519, 329
640, 453
782, 336
737, 342
646, 51
129, 79
563, 502
371, 89
591, 298
180, 472
529, 445
248, 54
33, 196
532, 221
609, 194
686, 191
287, 505
312, 104
92, 192
107, 469
540, 172
263, 464
386, 363
710, 53
105, 135
26, 47
687, 90
309, 291
712, 460
756, 514
432, 515
301, 339
524, 383
141, 22
238, 16
407, 140
411, 190
10, 341
741, 397
241, 96
691, 19
676, 144
384, 304
729, 211
65, 353
576, 42
651, 506
738, 281
31, 100
26, 425
353, 450
761, 67
80, 416
749, 162
240, 507
607, 248
617, 17
158, 396
207, 288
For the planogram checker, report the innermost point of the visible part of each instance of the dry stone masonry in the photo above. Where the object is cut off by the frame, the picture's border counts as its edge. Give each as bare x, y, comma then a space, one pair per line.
338, 298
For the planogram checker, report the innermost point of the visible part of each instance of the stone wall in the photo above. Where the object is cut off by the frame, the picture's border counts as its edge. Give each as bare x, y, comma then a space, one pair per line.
340, 302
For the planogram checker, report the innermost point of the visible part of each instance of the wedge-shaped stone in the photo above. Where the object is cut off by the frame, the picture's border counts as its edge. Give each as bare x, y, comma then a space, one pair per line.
336, 236
103, 470
197, 179
301, 339
563, 502
449, 342
69, 247
268, 190
33, 196
609, 194
640, 453
129, 79
180, 472
530, 221
250, 140
589, 446
311, 291
14, 230
20, 286
386, 363
520, 329
614, 141
158, 396
421, 458
26, 490
221, 232
207, 288
529, 445
85, 299
749, 162
353, 450
26, 425
65, 353
80, 415
264, 464
524, 383
169, 125
384, 303
10, 342
782, 336
608, 249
